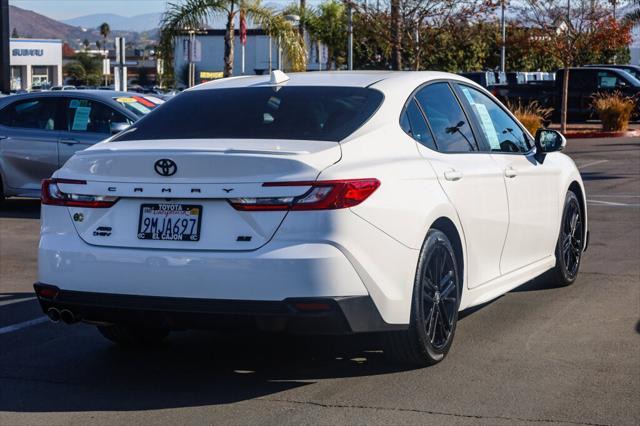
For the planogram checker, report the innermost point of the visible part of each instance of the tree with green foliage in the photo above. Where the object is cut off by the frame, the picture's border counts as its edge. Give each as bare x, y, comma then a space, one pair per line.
84, 69
194, 14
587, 28
326, 23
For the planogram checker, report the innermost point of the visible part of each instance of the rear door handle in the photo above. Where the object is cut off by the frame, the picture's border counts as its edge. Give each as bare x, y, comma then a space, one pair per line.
69, 141
510, 172
3, 137
453, 175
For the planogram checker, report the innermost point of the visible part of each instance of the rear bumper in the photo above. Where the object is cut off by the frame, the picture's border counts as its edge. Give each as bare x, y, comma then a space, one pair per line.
325, 315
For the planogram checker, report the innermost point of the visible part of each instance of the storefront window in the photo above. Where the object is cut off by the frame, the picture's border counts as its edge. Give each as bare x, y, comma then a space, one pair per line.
40, 76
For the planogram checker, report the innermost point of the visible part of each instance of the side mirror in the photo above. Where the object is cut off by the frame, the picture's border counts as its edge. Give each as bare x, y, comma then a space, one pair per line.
548, 140
118, 127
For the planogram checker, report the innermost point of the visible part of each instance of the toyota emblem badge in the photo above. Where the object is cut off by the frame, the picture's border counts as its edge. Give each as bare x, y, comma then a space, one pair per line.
165, 167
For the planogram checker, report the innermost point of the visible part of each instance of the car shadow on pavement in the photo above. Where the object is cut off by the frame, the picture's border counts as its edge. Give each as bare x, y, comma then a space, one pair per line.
20, 208
542, 282
586, 176
79, 371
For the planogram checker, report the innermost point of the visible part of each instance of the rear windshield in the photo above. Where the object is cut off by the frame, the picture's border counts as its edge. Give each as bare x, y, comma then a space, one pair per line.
302, 112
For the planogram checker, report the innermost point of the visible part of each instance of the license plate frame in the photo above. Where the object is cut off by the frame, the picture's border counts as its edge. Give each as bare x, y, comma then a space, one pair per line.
164, 236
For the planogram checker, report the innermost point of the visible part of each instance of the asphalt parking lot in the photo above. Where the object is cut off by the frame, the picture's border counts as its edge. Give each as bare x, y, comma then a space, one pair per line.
539, 354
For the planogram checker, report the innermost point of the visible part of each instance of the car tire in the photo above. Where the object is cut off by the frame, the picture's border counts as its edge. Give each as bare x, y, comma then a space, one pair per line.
127, 335
434, 306
1, 191
570, 242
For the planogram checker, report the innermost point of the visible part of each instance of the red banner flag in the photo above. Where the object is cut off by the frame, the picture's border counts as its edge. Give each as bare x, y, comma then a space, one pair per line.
243, 28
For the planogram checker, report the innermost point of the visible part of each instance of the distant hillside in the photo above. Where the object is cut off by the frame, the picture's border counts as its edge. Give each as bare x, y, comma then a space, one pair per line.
146, 22
29, 24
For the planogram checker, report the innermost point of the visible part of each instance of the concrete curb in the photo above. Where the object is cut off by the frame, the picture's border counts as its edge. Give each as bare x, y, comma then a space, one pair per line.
602, 134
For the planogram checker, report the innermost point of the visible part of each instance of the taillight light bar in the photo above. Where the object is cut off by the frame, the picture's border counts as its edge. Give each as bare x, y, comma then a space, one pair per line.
323, 195
52, 195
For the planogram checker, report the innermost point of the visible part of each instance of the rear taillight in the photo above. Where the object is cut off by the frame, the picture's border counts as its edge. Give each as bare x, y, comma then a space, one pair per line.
53, 195
323, 195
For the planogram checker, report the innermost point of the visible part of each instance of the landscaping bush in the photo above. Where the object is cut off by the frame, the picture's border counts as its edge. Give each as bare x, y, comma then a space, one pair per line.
532, 115
614, 110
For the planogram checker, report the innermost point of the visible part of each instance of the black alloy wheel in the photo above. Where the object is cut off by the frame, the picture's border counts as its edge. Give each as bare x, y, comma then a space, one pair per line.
439, 296
570, 242
434, 310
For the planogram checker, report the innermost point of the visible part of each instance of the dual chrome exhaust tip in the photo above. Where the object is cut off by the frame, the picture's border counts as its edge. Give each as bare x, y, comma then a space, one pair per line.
64, 315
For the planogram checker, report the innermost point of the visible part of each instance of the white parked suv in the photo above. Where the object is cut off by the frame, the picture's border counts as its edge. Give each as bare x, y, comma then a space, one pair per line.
342, 202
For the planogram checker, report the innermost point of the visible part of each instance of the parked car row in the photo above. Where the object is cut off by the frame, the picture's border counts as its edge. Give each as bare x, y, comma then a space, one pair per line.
584, 82
40, 131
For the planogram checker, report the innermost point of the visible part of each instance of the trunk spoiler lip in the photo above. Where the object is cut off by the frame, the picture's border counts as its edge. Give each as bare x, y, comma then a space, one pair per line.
221, 145
179, 151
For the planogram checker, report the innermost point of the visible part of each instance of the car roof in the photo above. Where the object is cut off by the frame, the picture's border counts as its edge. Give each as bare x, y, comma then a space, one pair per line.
329, 78
94, 94
595, 68
619, 66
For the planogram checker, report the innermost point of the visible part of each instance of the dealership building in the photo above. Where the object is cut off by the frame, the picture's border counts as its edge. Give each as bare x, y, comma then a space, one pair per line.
35, 62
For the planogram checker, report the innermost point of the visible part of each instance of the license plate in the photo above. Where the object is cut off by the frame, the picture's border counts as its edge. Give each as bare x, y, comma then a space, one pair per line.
170, 222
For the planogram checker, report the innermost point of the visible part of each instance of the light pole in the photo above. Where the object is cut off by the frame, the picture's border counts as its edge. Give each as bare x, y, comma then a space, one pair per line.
503, 49
5, 68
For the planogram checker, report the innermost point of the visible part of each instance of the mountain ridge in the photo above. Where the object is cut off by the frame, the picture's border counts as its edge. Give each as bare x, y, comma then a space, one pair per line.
137, 23
29, 24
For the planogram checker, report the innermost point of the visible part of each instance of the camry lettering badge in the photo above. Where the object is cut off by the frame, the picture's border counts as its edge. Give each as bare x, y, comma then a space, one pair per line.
165, 167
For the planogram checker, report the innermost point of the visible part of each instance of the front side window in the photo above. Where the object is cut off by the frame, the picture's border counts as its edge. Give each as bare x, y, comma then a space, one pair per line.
412, 122
450, 126
84, 115
607, 80
294, 113
501, 132
32, 114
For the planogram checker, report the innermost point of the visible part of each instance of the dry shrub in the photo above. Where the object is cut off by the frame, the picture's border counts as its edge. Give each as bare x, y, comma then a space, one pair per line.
614, 110
531, 115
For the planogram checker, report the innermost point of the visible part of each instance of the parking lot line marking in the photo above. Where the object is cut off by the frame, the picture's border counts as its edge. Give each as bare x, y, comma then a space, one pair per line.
611, 203
616, 196
592, 163
21, 325
10, 302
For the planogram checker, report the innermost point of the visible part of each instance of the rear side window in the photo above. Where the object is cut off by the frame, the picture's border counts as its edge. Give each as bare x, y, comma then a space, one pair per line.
41, 114
450, 126
84, 115
296, 112
413, 123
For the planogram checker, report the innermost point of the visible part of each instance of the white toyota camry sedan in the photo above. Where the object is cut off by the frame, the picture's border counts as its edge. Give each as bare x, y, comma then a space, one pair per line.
345, 202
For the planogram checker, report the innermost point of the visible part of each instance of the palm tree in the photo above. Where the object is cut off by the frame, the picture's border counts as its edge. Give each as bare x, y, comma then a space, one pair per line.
326, 23
193, 14
632, 17
104, 32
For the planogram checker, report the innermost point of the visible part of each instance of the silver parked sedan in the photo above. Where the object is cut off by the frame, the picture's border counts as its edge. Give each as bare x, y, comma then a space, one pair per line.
39, 132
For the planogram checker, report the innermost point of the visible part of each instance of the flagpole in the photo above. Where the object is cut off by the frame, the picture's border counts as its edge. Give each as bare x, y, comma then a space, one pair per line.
243, 34
243, 59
